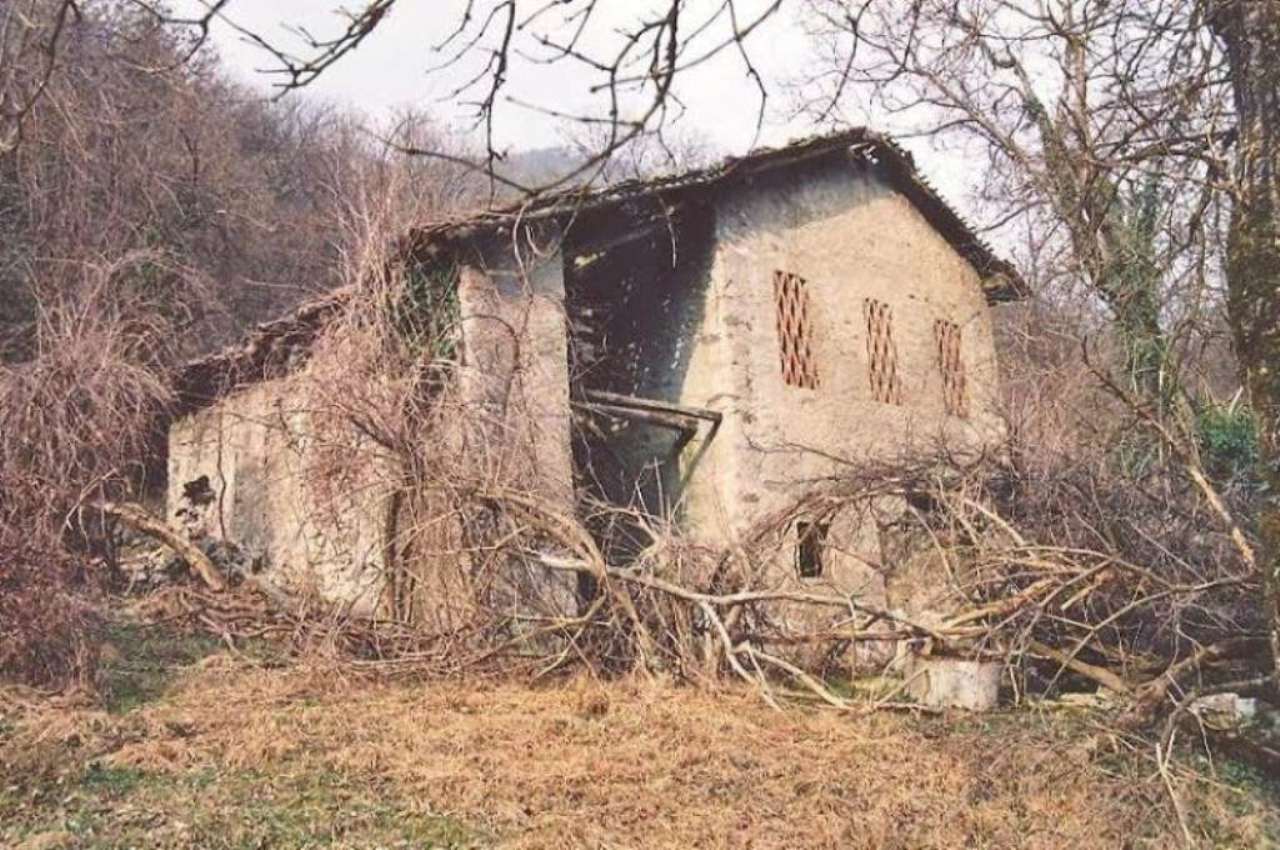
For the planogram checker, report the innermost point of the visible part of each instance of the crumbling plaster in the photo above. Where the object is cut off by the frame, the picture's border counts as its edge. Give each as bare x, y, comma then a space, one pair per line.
851, 237
514, 368
258, 451
836, 223
268, 493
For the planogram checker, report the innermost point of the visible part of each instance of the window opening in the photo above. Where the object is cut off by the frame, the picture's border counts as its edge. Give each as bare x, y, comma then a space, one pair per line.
882, 354
946, 336
795, 331
811, 542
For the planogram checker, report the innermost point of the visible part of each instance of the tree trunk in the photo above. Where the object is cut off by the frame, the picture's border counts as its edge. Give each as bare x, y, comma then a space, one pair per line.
1250, 31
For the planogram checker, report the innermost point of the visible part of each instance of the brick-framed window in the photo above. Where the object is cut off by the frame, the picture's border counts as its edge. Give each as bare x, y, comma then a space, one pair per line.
882, 354
795, 331
946, 338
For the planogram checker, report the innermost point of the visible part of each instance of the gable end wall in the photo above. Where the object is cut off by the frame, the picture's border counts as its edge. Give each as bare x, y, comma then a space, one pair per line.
850, 236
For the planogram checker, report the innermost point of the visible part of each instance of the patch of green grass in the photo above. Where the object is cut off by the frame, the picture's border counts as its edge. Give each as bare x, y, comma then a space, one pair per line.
142, 661
111, 808
852, 688
1257, 792
110, 781
1249, 779
1254, 785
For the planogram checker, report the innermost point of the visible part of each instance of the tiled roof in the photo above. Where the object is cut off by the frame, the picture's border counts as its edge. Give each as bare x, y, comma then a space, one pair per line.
269, 344
898, 167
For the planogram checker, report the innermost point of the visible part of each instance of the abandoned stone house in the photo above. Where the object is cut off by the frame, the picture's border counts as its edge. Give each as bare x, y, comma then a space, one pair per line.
728, 336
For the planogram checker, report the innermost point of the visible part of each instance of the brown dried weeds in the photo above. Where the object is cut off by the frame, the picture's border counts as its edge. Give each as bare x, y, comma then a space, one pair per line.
625, 764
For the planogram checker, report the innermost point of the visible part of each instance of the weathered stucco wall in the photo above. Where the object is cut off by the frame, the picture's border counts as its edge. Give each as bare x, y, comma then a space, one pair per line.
250, 470
318, 525
704, 333
850, 237
513, 375
514, 370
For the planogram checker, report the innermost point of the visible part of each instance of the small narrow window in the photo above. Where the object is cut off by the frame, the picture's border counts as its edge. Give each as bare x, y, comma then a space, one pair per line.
882, 354
946, 336
795, 331
922, 501
811, 541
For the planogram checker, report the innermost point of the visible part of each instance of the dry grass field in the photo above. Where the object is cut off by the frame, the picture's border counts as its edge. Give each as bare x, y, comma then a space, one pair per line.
191, 746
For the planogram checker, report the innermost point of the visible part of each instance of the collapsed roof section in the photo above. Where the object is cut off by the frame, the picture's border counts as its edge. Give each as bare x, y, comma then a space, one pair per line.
271, 345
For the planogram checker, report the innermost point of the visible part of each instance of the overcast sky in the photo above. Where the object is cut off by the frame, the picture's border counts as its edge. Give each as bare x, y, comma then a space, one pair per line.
390, 70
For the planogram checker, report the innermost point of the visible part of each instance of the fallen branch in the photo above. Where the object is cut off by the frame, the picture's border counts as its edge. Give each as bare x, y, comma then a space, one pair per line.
143, 521
1101, 675
1149, 696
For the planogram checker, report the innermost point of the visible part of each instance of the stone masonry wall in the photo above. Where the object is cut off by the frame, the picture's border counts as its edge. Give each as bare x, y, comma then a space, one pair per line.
850, 238
248, 470
252, 470
835, 225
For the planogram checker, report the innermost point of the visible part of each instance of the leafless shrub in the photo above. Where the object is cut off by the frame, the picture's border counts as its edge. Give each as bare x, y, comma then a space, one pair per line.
1071, 561
127, 161
1060, 547
74, 421
48, 634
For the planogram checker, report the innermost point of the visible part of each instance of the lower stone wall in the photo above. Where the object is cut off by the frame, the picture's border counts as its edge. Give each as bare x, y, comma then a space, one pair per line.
250, 470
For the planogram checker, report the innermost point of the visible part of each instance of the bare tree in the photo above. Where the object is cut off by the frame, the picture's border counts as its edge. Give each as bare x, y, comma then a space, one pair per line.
631, 61
1101, 127
1102, 121
1250, 33
31, 36
645, 156
1132, 141
149, 210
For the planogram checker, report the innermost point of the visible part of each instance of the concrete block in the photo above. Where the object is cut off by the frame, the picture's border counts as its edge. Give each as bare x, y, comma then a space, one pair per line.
954, 683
